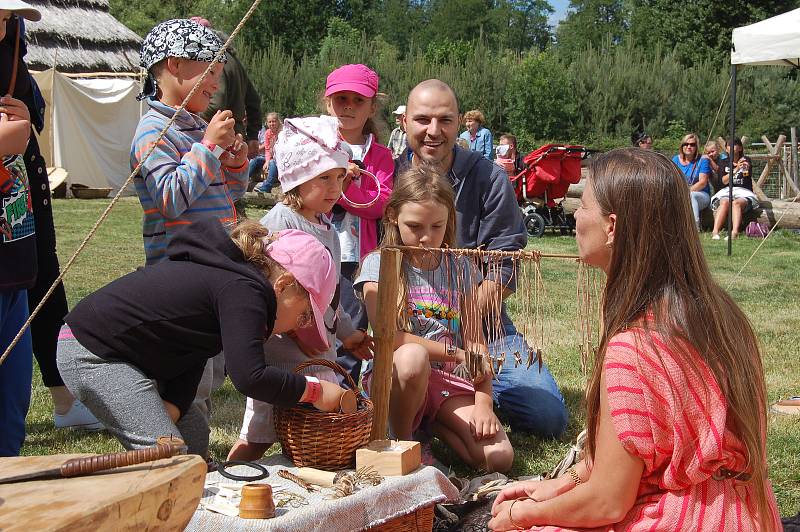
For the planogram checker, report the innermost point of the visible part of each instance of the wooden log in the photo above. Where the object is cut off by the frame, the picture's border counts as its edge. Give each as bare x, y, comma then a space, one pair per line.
384, 329
261, 201
160, 495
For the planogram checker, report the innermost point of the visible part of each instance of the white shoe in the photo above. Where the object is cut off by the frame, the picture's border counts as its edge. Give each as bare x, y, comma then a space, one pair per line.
714, 237
78, 417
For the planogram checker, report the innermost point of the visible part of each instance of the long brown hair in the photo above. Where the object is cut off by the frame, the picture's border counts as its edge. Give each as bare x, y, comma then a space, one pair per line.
416, 185
658, 266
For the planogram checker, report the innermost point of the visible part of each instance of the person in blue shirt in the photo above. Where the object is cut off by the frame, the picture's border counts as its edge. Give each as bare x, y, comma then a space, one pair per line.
478, 137
696, 170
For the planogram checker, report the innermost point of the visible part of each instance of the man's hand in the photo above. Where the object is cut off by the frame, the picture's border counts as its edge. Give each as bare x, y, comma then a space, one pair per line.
360, 344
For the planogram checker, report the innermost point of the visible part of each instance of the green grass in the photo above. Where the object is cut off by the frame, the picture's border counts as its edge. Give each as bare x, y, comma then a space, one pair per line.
768, 290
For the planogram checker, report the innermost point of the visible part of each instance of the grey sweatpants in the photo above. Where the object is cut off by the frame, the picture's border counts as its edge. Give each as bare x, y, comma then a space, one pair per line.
126, 401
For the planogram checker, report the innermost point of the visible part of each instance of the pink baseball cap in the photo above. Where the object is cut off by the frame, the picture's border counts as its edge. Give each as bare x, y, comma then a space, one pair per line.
311, 263
356, 78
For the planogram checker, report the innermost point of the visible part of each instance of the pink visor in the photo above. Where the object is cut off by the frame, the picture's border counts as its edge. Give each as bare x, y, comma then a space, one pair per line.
310, 262
356, 78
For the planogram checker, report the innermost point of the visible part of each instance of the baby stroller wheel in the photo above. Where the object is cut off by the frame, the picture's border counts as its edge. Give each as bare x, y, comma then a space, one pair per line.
534, 224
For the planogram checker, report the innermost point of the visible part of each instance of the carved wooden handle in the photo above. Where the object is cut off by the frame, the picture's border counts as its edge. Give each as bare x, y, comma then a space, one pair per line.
101, 462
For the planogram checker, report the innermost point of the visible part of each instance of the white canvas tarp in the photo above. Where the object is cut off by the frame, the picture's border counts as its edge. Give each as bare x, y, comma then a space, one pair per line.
774, 41
91, 124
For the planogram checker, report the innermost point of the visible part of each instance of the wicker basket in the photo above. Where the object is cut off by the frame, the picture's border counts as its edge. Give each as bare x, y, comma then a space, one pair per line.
324, 440
84, 192
419, 521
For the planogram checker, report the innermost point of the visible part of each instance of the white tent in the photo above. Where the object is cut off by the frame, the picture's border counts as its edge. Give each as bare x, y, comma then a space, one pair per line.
89, 126
774, 41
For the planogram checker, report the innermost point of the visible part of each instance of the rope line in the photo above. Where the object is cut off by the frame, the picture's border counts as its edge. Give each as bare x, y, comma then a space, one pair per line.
135, 171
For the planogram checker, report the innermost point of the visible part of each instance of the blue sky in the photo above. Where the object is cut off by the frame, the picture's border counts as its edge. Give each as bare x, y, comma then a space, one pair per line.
560, 7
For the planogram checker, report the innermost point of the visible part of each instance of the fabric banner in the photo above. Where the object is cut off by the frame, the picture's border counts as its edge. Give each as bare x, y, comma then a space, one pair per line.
91, 124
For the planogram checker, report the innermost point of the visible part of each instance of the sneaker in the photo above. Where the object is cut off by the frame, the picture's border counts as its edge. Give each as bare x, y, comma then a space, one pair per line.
715, 236
261, 188
78, 417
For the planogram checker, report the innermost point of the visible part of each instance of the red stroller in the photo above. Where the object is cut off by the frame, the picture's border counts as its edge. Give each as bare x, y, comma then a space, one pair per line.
550, 171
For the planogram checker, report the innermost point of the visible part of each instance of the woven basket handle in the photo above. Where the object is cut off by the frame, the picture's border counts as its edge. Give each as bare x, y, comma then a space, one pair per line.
330, 365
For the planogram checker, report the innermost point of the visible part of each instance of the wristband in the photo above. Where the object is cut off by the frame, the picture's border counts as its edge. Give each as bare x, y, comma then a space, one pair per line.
451, 350
313, 390
576, 478
215, 149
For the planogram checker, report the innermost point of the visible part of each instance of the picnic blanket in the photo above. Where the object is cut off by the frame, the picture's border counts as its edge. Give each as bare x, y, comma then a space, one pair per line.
366, 508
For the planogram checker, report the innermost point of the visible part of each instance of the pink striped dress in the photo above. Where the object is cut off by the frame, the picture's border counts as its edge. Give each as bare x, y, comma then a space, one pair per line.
663, 414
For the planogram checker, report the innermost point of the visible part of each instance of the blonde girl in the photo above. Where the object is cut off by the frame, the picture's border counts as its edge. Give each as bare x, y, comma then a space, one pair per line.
437, 321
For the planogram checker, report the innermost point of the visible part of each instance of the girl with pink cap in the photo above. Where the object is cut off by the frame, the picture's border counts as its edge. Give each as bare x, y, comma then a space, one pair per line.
351, 95
135, 350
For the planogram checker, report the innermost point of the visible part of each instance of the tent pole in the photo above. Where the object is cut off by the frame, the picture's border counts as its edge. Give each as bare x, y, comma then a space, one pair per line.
732, 145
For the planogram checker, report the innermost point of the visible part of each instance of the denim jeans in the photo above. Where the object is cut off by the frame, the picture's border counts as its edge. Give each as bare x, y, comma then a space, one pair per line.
255, 165
272, 174
529, 399
700, 201
15, 373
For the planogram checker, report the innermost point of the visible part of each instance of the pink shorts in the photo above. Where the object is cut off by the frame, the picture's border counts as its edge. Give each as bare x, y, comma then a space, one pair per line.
442, 385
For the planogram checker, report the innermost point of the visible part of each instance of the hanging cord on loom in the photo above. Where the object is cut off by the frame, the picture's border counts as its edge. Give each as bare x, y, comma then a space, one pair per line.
135, 171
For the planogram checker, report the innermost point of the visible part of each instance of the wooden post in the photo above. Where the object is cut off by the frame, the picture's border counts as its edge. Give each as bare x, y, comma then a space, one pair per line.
384, 330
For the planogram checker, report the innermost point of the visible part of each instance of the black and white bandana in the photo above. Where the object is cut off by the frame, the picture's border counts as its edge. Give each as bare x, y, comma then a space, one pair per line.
177, 38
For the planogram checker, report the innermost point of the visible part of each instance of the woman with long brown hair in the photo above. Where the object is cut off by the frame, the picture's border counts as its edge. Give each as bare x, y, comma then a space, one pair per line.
677, 401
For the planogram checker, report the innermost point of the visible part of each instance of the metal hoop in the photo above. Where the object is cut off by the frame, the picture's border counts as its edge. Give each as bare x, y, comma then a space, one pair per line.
224, 465
372, 201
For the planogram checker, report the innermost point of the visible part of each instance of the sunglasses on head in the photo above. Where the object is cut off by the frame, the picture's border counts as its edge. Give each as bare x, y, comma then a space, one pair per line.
689, 144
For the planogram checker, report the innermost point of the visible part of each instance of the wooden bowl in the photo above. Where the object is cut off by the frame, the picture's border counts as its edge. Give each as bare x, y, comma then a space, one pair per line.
84, 192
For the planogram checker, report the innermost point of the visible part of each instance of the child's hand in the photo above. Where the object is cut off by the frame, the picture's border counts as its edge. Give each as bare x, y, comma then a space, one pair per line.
172, 411
360, 344
353, 172
236, 156
330, 398
220, 129
14, 109
483, 423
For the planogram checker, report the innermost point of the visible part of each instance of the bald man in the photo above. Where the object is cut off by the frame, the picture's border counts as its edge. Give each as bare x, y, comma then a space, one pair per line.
488, 217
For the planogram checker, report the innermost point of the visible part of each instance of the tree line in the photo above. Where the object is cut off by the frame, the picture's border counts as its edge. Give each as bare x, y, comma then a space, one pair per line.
610, 67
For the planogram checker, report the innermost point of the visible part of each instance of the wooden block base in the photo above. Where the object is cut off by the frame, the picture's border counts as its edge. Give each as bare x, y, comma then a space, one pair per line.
390, 457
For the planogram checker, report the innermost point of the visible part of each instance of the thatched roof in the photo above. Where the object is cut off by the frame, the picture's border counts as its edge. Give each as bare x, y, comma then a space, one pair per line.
80, 36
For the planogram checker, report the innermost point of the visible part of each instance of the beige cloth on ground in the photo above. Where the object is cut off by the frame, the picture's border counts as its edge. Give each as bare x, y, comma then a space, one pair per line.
366, 508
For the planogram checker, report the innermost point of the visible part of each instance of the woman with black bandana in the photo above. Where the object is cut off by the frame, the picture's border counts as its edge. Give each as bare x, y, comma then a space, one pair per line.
45, 328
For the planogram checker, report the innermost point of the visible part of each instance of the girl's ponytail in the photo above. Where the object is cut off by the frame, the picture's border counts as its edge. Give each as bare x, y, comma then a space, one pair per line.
249, 238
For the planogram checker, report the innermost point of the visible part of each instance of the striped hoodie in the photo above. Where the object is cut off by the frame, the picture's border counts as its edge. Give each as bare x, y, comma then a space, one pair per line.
182, 182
